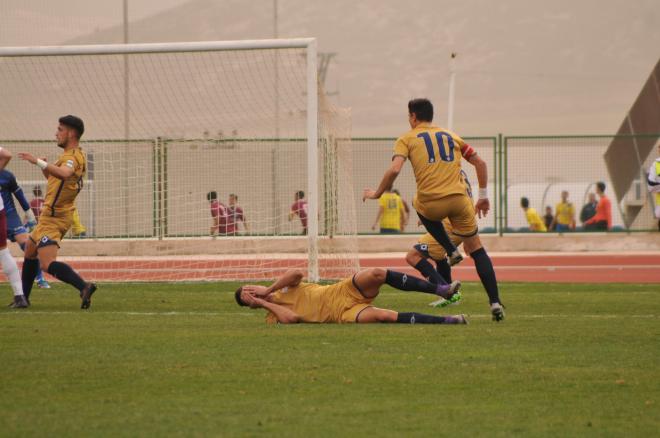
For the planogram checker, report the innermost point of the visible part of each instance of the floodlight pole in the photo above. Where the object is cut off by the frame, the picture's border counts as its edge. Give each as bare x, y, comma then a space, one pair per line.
452, 87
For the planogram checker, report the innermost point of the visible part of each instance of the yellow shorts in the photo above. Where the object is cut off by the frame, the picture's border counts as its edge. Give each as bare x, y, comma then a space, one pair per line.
347, 301
428, 247
51, 229
457, 208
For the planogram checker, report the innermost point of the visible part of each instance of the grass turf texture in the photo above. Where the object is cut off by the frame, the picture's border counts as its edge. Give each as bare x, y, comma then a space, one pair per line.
183, 359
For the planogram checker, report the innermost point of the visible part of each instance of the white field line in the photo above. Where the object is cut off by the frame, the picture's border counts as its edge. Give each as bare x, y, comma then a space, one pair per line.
512, 317
457, 268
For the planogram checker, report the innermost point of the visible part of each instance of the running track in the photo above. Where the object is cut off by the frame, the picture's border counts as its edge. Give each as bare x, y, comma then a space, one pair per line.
535, 267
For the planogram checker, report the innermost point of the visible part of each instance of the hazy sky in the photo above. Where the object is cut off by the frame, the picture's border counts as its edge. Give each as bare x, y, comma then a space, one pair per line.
51, 22
524, 66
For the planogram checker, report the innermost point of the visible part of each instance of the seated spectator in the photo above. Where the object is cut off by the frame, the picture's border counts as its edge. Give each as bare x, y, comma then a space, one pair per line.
602, 220
564, 214
589, 209
548, 218
533, 219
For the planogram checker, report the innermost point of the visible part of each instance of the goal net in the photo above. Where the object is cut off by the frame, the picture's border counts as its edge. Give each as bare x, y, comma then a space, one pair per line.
168, 124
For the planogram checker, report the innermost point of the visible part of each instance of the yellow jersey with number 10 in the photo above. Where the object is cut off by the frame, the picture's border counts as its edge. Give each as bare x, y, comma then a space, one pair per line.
435, 156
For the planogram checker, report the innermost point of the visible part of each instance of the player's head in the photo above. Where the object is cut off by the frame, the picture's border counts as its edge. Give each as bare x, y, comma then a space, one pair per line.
70, 129
232, 199
237, 296
212, 196
300, 195
241, 294
548, 209
592, 197
564, 196
36, 191
396, 191
524, 203
600, 187
419, 110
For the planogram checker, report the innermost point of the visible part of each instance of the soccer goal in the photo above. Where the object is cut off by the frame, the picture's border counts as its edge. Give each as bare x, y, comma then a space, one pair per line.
169, 124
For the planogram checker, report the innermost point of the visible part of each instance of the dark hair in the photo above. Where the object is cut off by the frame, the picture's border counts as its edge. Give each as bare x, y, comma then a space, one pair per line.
212, 196
36, 189
396, 191
422, 108
73, 122
524, 202
237, 295
231, 195
300, 194
601, 186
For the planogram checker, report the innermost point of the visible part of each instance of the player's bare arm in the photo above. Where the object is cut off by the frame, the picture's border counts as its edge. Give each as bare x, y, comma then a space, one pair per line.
291, 278
5, 157
283, 314
59, 172
483, 205
388, 179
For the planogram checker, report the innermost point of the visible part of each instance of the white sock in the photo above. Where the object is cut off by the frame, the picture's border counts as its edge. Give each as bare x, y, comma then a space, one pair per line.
10, 269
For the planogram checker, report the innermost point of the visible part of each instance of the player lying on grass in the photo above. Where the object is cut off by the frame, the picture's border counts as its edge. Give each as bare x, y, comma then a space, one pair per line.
290, 301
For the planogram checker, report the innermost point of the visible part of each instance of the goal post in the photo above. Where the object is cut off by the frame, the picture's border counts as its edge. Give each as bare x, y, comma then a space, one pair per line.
186, 119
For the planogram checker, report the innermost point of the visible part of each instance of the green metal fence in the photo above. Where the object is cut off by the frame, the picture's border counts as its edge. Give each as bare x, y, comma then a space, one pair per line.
157, 188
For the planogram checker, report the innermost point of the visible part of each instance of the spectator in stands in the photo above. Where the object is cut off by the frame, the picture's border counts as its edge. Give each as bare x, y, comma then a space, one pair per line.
533, 218
218, 213
564, 214
589, 209
391, 213
653, 181
602, 220
406, 208
37, 202
234, 215
549, 218
299, 208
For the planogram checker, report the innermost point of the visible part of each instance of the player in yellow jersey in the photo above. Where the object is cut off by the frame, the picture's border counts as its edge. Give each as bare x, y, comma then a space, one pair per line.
533, 219
391, 213
65, 180
653, 184
288, 300
435, 155
564, 215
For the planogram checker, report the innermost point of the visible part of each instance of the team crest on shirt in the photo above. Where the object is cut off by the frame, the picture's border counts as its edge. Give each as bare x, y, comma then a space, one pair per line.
69, 163
45, 239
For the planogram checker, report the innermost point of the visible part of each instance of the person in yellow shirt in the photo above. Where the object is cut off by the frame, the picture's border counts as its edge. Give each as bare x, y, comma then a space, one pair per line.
65, 180
435, 156
564, 215
78, 230
391, 213
533, 219
289, 301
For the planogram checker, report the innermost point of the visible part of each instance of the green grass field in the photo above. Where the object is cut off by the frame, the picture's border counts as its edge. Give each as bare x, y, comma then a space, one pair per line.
183, 359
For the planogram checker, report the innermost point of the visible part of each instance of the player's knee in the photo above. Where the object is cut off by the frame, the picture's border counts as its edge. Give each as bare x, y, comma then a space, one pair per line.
378, 274
472, 244
386, 315
413, 257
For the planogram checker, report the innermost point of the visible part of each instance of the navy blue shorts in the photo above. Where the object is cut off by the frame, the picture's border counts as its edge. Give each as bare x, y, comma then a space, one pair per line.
14, 225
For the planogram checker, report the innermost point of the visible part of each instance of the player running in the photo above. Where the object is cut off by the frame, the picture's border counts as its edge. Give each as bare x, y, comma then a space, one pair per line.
290, 301
9, 266
16, 230
65, 180
435, 156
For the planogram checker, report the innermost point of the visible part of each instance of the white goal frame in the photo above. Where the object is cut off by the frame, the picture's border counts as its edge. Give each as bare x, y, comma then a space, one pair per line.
205, 46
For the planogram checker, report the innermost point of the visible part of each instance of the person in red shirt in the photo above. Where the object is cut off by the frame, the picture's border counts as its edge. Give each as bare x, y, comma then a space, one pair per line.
602, 220
234, 215
218, 213
37, 202
299, 208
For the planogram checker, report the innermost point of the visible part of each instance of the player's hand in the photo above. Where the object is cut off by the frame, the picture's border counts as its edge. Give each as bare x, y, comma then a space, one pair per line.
369, 194
27, 157
482, 206
250, 300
